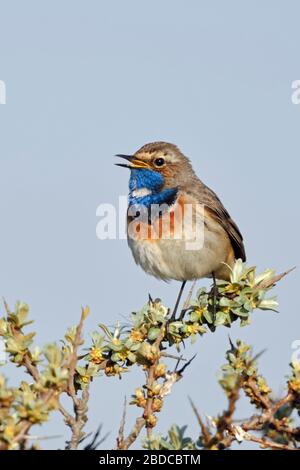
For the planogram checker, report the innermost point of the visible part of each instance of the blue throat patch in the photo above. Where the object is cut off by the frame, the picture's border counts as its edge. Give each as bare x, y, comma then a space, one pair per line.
152, 181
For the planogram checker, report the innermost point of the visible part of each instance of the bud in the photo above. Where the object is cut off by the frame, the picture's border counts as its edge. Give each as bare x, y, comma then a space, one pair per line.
151, 421
160, 370
157, 405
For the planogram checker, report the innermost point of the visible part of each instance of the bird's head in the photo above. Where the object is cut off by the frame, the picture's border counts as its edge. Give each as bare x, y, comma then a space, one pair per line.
157, 166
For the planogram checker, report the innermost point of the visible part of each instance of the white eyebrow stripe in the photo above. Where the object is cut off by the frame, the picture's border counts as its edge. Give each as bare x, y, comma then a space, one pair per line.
141, 192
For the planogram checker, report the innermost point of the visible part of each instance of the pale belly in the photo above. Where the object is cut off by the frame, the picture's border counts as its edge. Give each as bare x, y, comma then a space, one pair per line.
171, 258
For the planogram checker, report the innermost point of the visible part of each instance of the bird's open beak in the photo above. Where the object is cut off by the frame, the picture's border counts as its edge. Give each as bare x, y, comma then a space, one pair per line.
133, 162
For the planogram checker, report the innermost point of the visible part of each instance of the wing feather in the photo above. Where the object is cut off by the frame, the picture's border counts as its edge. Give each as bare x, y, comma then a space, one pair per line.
216, 209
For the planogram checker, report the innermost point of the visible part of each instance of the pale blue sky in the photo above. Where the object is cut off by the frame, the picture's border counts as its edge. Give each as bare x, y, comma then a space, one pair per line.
87, 80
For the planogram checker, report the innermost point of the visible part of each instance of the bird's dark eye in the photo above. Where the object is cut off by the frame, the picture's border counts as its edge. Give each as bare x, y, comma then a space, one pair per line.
159, 161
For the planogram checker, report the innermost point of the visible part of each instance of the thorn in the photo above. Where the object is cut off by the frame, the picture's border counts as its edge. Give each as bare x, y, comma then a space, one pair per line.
180, 372
120, 438
205, 432
259, 354
178, 362
231, 344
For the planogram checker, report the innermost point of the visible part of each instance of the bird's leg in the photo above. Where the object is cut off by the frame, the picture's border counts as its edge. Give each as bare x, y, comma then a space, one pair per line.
214, 293
177, 301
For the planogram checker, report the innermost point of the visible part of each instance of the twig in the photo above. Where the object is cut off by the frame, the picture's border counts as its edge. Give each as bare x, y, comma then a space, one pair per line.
189, 296
133, 435
124, 444
204, 430
120, 438
187, 301
233, 398
284, 401
73, 358
256, 423
150, 381
31, 369
172, 356
69, 419
78, 421
264, 400
267, 443
80, 405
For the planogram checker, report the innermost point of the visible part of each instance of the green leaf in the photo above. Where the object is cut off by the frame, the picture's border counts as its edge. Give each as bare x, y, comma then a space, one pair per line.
208, 316
153, 333
105, 330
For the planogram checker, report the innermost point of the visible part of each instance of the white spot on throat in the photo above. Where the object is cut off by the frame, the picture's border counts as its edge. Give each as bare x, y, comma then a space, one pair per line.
141, 192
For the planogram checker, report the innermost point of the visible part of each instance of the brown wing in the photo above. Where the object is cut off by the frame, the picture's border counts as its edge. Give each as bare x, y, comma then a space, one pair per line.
215, 207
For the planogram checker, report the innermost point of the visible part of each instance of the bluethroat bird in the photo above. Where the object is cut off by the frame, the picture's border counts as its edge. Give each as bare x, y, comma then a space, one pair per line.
163, 188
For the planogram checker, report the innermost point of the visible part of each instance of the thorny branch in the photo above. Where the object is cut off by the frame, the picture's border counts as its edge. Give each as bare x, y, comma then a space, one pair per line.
155, 393
273, 420
62, 370
80, 405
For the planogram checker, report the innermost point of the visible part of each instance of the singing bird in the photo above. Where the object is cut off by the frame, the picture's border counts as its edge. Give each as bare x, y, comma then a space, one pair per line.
162, 176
